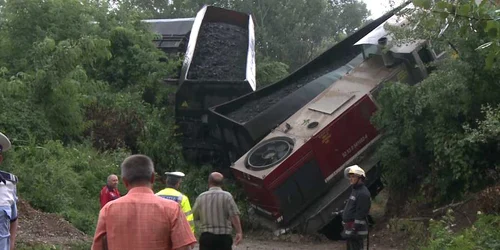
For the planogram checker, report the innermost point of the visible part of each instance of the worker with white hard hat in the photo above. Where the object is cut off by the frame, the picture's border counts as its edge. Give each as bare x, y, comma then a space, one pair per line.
354, 217
8, 202
171, 192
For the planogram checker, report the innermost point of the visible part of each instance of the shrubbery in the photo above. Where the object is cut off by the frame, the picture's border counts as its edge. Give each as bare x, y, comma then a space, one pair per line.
484, 234
80, 88
442, 134
64, 179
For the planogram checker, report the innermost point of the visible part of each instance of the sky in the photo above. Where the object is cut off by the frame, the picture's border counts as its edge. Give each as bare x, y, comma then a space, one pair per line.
379, 7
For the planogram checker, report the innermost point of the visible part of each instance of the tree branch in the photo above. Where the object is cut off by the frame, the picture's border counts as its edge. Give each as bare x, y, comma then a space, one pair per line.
459, 15
452, 205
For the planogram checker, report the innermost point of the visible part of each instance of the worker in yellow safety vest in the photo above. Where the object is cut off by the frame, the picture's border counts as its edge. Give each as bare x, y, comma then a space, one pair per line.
173, 180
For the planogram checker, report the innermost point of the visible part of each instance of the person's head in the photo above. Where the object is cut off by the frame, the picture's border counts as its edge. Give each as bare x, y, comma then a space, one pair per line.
174, 179
4, 145
215, 179
355, 174
112, 181
137, 170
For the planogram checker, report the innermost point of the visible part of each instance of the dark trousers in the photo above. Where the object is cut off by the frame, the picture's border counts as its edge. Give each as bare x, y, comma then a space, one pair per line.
210, 241
355, 243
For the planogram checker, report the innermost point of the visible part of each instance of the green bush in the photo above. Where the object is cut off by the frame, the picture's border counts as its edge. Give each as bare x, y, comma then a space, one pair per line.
441, 135
65, 180
73, 75
414, 232
484, 234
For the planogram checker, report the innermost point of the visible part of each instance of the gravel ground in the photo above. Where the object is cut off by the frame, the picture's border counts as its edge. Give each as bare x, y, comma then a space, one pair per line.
276, 245
36, 226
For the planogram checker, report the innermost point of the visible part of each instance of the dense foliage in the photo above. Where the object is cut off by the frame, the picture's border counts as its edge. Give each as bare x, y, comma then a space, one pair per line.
442, 135
80, 87
290, 32
484, 234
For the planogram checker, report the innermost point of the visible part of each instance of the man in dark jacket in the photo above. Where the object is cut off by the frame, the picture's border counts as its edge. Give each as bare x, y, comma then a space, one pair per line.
357, 209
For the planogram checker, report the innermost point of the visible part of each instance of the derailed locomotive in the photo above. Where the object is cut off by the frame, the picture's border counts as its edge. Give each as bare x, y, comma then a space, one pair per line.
289, 142
293, 176
222, 117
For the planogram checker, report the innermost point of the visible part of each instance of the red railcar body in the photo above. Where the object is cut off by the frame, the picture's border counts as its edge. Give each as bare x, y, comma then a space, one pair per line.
297, 161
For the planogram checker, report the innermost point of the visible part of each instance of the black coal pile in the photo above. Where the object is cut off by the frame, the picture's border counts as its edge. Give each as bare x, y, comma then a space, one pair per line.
253, 108
221, 53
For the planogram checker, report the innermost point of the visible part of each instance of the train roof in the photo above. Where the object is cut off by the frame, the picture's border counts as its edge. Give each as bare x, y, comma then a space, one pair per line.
175, 26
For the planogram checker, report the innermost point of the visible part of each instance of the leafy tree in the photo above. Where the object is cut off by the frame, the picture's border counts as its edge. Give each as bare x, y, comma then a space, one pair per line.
287, 31
437, 135
269, 72
76, 73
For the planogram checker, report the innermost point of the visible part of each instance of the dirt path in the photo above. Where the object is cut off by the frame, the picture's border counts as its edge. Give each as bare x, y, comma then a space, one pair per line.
277, 245
263, 241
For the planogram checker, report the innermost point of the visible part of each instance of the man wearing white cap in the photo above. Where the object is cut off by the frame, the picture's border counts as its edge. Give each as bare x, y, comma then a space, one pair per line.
8, 200
357, 208
172, 193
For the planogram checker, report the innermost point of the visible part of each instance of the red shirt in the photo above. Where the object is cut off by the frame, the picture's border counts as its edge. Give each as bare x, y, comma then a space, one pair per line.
108, 195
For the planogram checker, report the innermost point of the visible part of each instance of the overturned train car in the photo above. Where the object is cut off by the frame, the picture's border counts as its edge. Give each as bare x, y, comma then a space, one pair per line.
241, 123
219, 66
293, 176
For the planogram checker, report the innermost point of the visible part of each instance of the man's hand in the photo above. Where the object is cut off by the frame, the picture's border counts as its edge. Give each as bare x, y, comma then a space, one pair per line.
238, 238
237, 225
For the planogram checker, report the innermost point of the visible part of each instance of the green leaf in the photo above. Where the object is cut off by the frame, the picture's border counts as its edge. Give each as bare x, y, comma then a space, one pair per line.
442, 5
493, 32
426, 4
444, 15
490, 59
464, 10
492, 28
463, 30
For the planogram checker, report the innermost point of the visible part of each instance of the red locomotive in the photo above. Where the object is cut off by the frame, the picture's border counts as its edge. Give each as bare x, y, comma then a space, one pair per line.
293, 176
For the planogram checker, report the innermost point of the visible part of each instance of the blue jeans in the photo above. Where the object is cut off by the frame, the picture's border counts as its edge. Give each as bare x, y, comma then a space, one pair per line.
6, 214
4, 230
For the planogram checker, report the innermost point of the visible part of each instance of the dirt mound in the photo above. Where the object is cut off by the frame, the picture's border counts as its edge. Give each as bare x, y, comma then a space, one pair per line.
35, 226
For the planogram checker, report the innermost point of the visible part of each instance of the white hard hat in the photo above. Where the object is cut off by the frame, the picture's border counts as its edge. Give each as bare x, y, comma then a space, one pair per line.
4, 142
354, 169
176, 174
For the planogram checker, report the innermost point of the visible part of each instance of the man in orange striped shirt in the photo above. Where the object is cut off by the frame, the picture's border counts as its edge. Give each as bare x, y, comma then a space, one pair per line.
140, 219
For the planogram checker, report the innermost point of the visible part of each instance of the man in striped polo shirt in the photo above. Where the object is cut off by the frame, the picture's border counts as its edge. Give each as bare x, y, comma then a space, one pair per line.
218, 214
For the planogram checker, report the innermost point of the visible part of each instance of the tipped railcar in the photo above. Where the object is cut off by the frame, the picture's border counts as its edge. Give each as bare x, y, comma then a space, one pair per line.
293, 176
